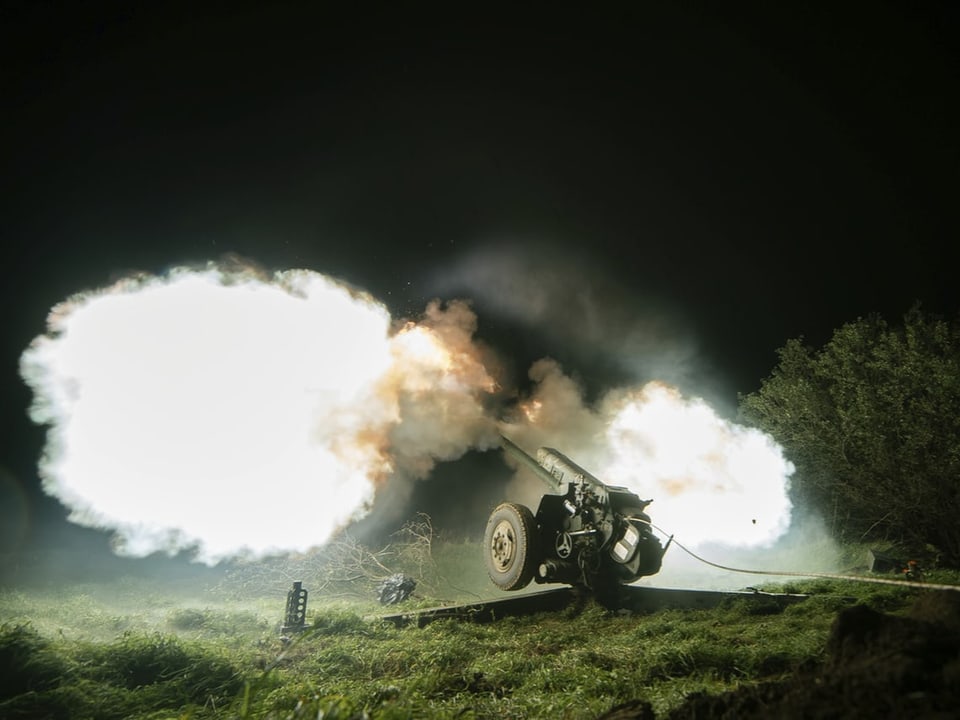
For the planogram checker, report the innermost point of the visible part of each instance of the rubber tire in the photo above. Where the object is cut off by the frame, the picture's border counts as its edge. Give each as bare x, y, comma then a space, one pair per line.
511, 563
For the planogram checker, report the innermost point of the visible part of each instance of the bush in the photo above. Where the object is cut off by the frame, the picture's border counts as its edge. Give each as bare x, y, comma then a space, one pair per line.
872, 423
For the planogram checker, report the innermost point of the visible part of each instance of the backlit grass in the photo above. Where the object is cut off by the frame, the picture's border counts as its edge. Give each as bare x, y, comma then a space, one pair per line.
131, 650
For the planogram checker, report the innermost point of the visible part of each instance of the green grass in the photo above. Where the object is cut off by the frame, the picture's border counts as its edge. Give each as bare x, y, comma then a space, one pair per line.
130, 649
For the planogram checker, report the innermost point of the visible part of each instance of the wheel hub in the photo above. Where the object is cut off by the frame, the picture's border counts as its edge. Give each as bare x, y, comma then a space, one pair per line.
503, 546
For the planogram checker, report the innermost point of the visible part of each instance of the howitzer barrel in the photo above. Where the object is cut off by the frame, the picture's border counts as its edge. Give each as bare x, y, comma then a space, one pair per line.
553, 482
563, 468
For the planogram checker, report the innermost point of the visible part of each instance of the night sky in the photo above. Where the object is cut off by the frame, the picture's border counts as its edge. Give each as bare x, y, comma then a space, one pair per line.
636, 192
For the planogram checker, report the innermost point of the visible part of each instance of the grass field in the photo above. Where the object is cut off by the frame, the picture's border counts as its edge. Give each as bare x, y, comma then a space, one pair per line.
139, 648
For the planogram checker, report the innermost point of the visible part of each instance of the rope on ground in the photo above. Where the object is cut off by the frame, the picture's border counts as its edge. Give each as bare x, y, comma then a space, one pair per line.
831, 576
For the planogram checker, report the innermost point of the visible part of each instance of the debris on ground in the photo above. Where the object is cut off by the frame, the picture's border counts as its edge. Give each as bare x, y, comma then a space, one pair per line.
396, 588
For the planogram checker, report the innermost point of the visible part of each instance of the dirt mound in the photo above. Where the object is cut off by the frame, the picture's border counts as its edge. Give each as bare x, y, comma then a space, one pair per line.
876, 666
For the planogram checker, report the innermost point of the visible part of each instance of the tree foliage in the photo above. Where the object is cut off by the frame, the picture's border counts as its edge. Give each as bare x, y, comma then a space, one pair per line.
872, 423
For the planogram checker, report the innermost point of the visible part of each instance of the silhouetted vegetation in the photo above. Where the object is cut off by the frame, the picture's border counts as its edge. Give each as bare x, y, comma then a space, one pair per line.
872, 423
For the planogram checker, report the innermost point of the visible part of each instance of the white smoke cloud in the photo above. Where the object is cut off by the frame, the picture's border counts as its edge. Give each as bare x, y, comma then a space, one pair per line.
712, 480
243, 414
238, 413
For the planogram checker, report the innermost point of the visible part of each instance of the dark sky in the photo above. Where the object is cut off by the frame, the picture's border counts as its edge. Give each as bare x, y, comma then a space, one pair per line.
734, 177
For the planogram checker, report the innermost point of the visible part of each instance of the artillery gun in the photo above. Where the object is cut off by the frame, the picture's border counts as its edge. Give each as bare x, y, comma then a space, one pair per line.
585, 533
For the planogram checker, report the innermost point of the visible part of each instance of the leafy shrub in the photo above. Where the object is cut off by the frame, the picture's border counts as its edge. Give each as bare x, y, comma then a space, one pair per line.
872, 423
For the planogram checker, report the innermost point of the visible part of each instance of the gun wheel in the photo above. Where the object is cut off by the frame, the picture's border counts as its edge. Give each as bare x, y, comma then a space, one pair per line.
510, 541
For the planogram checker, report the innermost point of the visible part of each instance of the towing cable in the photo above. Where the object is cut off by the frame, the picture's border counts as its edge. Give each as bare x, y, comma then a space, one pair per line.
788, 573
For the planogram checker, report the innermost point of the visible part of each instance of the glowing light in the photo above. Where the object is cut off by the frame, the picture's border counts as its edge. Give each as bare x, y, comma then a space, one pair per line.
243, 414
718, 481
711, 480
531, 410
233, 412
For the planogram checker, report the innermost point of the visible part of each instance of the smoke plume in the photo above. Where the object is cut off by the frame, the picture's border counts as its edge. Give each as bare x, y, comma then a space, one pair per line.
237, 413
232, 412
712, 480
568, 301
